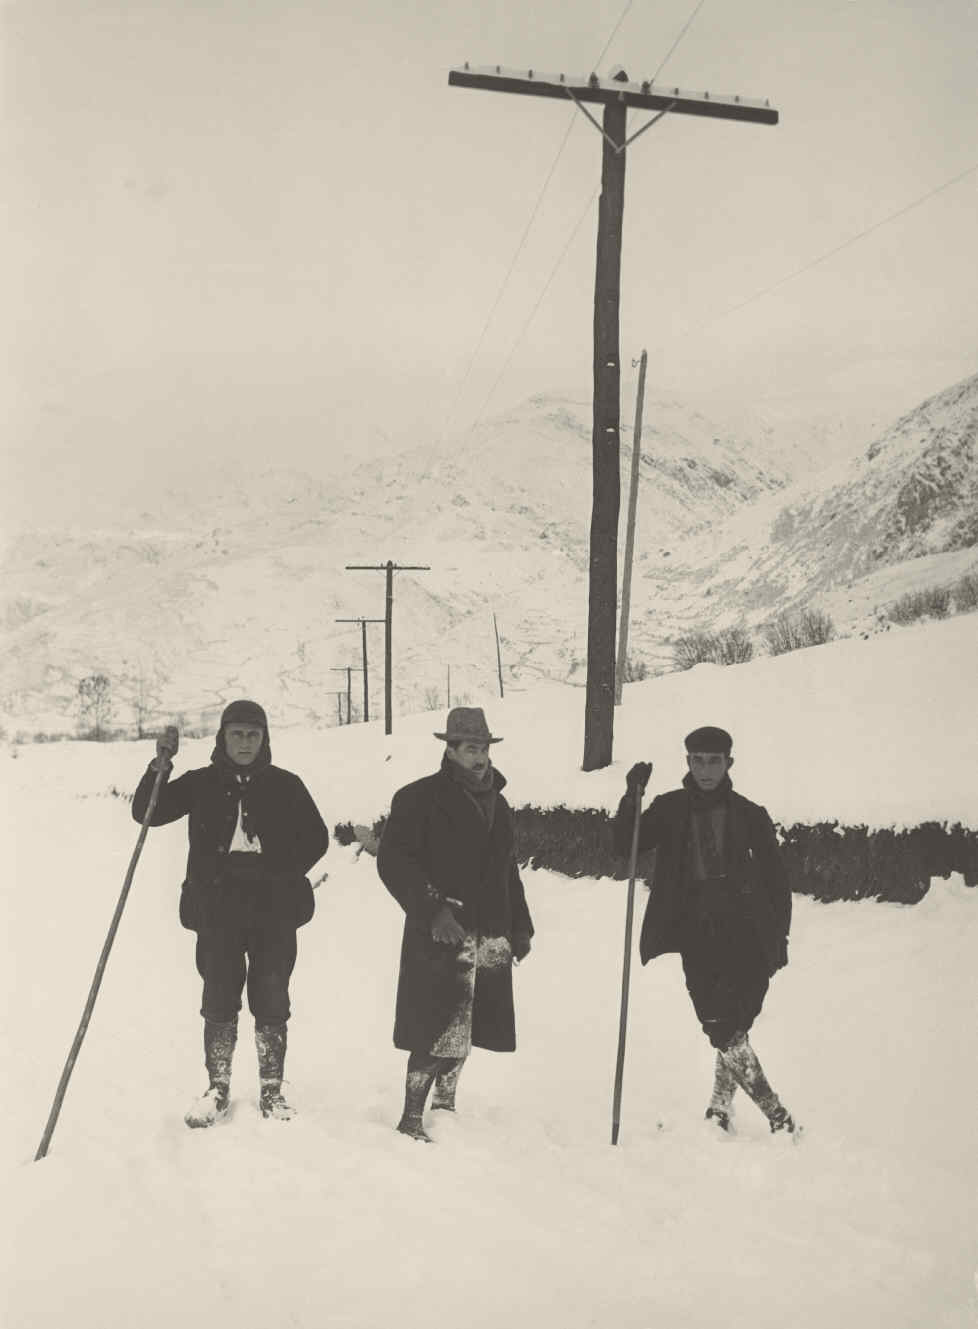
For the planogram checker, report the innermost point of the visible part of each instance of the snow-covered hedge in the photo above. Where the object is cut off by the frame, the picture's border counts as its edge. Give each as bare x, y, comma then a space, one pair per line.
826, 861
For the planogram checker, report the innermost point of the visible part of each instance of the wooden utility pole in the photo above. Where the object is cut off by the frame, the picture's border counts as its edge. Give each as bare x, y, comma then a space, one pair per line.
499, 658
339, 669
390, 568
363, 658
616, 95
626, 580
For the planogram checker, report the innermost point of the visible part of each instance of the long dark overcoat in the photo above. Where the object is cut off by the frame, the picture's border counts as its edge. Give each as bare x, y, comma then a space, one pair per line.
437, 846
755, 871
287, 822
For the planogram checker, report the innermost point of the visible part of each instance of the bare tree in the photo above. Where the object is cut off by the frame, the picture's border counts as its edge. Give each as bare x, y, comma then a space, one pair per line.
142, 683
95, 704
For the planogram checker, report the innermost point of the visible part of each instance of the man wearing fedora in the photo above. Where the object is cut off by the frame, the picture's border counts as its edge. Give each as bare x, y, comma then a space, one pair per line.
446, 855
720, 897
254, 833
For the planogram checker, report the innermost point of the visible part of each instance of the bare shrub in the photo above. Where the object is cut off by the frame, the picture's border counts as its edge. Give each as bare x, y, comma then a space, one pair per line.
932, 602
793, 632
635, 670
728, 646
692, 649
966, 593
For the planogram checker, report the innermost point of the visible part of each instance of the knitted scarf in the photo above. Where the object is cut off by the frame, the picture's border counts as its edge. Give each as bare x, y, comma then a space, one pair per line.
707, 832
481, 789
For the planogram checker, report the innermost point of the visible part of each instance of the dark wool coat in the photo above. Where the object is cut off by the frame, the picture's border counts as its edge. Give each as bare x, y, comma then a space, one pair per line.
755, 871
293, 837
437, 846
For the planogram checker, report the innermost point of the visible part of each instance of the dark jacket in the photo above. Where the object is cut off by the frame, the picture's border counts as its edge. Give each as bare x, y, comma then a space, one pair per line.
436, 846
756, 877
293, 837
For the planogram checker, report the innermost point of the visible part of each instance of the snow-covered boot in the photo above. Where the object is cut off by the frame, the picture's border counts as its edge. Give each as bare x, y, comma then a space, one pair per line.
446, 1082
270, 1042
212, 1106
720, 1110
741, 1060
421, 1070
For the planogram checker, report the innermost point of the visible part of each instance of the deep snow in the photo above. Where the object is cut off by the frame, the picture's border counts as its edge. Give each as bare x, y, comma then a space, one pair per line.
521, 1210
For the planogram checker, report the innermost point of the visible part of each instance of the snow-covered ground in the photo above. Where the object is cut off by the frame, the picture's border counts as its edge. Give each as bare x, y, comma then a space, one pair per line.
522, 1211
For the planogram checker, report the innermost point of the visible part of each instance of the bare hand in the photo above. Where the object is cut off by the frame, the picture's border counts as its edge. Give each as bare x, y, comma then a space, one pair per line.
446, 929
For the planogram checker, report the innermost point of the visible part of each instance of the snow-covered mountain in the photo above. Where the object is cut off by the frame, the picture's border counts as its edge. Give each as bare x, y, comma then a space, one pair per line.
900, 514
237, 585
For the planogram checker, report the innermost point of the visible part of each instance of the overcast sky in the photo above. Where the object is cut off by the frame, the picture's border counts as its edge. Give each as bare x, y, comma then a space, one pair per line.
270, 230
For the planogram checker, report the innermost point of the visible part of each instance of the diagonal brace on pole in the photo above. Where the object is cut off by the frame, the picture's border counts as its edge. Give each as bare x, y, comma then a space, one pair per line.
616, 148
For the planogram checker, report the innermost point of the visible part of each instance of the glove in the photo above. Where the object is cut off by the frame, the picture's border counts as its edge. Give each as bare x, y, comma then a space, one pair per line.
520, 946
445, 928
166, 747
638, 777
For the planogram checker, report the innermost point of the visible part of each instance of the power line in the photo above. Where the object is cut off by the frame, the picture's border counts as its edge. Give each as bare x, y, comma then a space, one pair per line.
830, 253
533, 312
685, 28
513, 349
523, 238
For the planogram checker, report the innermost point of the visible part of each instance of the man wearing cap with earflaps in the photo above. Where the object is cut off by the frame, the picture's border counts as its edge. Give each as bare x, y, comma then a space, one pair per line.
254, 833
446, 855
720, 897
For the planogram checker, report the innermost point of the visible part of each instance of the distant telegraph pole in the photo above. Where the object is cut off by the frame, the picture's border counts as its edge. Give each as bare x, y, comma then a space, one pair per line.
390, 568
626, 580
363, 658
348, 669
616, 94
499, 658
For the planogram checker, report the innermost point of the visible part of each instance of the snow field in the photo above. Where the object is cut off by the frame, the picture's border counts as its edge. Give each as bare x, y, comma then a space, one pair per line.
521, 1209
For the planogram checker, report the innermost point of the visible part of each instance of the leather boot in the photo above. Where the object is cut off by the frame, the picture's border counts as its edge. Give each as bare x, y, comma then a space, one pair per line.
724, 1088
270, 1043
421, 1070
219, 1040
741, 1060
446, 1082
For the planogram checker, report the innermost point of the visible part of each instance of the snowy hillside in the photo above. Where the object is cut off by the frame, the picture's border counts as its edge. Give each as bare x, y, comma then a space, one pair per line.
912, 494
726, 534
521, 1212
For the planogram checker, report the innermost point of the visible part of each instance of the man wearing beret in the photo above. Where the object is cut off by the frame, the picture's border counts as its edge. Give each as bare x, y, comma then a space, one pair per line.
254, 833
446, 855
720, 897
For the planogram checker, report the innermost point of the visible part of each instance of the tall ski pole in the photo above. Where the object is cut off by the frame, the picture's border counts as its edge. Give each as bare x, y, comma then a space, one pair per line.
626, 969
62, 1089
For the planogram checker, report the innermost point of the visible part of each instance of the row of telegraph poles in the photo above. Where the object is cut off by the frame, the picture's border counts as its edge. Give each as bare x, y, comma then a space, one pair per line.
389, 568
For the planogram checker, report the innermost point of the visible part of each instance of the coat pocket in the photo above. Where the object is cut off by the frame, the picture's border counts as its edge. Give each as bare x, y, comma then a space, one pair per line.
190, 907
304, 901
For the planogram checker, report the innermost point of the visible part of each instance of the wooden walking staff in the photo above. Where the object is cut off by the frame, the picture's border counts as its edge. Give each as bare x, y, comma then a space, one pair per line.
99, 970
616, 95
626, 969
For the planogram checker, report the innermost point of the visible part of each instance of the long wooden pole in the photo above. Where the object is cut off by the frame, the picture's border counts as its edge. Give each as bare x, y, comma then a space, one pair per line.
599, 704
626, 582
103, 960
389, 651
366, 688
626, 972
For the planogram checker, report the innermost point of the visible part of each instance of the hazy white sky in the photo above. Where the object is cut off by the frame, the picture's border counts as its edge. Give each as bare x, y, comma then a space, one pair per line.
269, 229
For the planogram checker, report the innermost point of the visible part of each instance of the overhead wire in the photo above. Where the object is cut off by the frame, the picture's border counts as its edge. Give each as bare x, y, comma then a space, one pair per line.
837, 249
526, 326
526, 231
